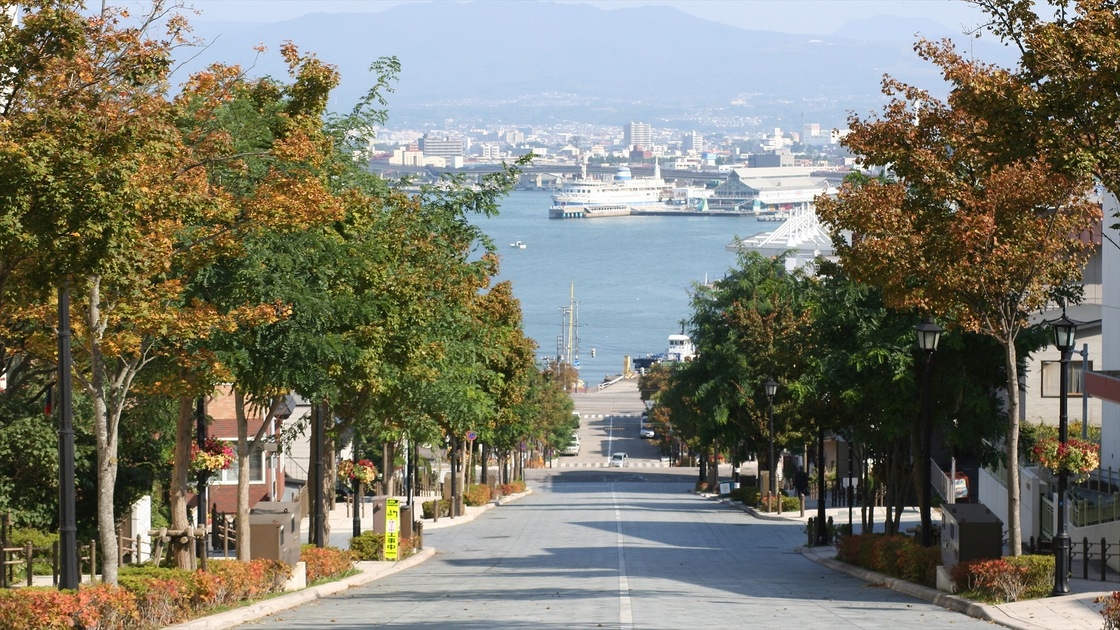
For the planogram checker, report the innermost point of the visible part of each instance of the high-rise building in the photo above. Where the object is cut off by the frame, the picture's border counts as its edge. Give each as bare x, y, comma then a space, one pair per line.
441, 147
693, 142
638, 135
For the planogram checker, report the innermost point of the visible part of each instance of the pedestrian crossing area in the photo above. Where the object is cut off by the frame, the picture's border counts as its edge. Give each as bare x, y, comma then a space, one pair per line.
592, 416
603, 464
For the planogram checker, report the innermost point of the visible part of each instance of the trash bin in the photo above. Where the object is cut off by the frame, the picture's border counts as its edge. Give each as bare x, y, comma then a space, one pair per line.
969, 531
406, 521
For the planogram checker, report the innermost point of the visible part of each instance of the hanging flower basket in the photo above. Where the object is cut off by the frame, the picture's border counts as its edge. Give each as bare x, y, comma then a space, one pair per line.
363, 471
1075, 457
214, 455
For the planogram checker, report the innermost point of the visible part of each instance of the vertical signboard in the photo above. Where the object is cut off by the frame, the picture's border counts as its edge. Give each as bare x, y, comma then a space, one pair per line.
392, 527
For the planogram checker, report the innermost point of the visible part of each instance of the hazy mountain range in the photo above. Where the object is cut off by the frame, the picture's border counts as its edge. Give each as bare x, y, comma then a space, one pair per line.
538, 62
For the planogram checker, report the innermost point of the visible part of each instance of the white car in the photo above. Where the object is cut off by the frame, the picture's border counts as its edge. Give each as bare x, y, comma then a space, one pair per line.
647, 432
618, 460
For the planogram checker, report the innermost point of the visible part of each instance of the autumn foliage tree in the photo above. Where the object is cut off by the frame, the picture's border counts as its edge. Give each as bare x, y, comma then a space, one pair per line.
960, 227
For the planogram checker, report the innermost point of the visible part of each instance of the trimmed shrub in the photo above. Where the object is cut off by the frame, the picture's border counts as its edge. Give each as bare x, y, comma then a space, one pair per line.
368, 546
745, 495
1006, 579
427, 508
477, 494
769, 503
325, 562
897, 556
163, 595
516, 486
37, 608
106, 607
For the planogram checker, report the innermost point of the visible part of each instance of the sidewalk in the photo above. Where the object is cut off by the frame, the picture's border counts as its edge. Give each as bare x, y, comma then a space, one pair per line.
340, 523
1076, 611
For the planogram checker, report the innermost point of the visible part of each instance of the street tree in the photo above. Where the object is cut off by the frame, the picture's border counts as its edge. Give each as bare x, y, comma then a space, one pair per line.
955, 230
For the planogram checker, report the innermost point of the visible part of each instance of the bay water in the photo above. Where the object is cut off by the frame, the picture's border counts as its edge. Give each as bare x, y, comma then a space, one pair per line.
633, 276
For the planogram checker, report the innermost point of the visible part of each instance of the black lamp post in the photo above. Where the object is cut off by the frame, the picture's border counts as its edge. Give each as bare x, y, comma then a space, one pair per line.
822, 529
67, 519
929, 334
1065, 330
771, 388
203, 476
356, 516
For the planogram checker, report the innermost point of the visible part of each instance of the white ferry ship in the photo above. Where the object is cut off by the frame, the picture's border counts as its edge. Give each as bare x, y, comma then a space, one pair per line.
588, 198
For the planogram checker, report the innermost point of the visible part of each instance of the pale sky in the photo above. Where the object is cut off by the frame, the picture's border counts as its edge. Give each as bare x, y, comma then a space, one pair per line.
785, 16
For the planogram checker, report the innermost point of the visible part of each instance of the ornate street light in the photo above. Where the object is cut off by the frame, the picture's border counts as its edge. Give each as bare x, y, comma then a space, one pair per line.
771, 388
929, 334
1065, 331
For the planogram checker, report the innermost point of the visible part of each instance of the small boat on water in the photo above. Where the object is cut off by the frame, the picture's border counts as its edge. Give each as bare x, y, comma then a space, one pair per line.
518, 245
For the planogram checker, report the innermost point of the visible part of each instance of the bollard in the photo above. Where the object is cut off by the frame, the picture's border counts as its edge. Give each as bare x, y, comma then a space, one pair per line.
811, 529
802, 497
418, 534
831, 531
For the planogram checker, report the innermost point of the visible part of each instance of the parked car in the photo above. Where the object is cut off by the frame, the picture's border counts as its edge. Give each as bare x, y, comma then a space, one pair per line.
647, 432
618, 460
573, 447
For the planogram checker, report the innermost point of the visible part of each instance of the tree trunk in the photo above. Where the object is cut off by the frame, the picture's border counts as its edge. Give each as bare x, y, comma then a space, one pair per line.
1014, 531
713, 472
242, 517
105, 425
180, 480
330, 469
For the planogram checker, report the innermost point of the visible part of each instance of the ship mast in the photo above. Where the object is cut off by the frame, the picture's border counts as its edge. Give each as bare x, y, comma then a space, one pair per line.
567, 343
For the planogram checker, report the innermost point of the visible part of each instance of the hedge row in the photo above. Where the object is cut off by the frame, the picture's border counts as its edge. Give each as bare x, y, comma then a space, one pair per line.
149, 597
896, 556
752, 496
476, 494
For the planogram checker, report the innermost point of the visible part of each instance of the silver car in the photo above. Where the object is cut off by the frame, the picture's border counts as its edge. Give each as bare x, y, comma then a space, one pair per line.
618, 460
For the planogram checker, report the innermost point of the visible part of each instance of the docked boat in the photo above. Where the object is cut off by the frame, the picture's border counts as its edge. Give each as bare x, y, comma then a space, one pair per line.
518, 245
585, 197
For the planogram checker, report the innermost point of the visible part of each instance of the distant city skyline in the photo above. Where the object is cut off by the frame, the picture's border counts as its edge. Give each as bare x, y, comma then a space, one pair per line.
785, 16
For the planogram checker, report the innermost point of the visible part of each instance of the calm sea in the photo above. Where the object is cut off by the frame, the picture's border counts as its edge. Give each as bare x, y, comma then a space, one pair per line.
633, 276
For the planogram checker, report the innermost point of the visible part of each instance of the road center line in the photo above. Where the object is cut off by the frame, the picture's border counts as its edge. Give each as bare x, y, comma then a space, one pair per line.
625, 612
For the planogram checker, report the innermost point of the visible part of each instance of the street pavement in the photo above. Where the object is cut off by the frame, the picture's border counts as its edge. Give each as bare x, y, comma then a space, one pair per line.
653, 588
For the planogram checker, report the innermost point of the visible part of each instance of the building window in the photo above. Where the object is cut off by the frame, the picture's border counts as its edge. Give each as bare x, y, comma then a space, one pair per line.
256, 468
1051, 378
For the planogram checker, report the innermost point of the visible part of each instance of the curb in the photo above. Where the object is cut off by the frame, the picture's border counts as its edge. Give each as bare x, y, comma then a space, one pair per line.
934, 596
472, 513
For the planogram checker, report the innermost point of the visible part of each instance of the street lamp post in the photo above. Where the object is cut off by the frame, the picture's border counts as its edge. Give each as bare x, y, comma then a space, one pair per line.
1065, 331
929, 334
822, 531
67, 520
771, 388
